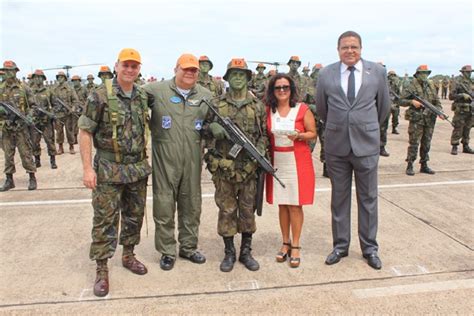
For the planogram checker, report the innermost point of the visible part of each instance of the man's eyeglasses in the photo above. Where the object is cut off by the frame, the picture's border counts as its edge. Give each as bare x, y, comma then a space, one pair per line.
282, 88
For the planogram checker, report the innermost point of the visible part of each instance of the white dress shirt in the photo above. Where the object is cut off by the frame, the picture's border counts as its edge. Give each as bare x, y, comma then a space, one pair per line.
357, 76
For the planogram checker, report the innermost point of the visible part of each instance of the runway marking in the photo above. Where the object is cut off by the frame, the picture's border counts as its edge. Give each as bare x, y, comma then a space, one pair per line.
211, 195
409, 269
243, 285
414, 288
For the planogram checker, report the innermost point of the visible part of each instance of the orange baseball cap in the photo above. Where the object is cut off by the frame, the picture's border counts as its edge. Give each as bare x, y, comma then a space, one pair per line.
129, 54
187, 61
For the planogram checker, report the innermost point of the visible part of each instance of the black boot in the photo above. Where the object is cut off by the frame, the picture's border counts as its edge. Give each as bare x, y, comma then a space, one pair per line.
38, 161
245, 256
395, 131
454, 150
325, 170
467, 150
52, 160
32, 183
9, 184
228, 263
383, 152
425, 169
409, 171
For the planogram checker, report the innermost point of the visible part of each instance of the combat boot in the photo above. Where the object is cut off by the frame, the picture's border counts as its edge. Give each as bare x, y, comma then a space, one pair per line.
60, 149
101, 284
467, 150
454, 150
245, 256
228, 263
52, 160
383, 152
9, 184
130, 262
395, 131
409, 171
32, 182
325, 170
38, 161
71, 149
425, 169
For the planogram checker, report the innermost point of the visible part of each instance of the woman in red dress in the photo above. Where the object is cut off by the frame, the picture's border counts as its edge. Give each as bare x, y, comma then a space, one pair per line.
290, 126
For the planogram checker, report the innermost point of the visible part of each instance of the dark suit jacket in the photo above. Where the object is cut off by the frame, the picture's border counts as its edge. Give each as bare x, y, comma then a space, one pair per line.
353, 127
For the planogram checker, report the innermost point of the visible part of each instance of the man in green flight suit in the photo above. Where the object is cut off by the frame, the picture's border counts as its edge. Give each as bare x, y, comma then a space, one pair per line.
234, 176
114, 121
177, 119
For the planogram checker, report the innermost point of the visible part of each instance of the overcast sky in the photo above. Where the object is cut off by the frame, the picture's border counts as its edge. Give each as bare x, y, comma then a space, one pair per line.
403, 34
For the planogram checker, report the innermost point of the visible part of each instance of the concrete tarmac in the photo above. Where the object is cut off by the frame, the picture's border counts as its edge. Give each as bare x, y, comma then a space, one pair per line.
425, 235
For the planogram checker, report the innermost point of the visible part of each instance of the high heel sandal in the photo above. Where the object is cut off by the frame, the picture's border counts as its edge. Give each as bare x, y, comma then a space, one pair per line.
281, 256
295, 262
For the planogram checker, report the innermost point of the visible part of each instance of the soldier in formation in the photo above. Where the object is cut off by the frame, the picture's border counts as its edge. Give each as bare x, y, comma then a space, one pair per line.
104, 73
206, 80
82, 94
15, 132
90, 83
259, 81
444, 88
463, 107
234, 176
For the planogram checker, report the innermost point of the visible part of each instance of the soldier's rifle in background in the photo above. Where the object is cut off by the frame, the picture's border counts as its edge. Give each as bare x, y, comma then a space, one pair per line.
16, 113
240, 141
67, 107
47, 113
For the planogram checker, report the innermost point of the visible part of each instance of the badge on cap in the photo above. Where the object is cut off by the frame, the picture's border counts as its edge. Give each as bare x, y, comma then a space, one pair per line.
175, 99
198, 124
166, 122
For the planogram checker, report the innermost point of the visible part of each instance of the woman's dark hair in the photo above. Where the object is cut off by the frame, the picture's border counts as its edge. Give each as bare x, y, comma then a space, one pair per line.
270, 99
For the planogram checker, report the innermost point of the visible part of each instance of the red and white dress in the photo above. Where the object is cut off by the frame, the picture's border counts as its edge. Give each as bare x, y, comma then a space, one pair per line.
293, 162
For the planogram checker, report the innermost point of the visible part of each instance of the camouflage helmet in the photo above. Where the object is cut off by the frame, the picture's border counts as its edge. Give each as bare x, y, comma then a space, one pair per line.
466, 68
104, 70
10, 65
238, 63
205, 58
260, 65
294, 58
61, 73
39, 73
422, 68
76, 77
90, 76
392, 73
317, 66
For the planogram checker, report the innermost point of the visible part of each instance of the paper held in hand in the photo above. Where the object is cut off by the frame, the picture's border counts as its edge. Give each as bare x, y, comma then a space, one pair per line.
284, 126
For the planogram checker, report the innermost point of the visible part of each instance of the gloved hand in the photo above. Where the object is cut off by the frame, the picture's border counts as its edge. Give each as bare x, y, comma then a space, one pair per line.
466, 97
218, 131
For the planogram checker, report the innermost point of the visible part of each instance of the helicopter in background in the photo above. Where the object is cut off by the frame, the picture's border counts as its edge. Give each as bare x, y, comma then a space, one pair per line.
67, 67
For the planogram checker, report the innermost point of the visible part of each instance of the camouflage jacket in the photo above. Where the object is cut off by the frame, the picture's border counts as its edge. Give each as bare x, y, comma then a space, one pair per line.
131, 122
461, 85
82, 97
44, 100
250, 116
212, 85
257, 85
394, 87
20, 96
425, 90
302, 86
67, 94
90, 87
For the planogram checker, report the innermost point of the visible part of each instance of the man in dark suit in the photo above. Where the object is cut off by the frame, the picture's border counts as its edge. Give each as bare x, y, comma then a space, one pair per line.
352, 98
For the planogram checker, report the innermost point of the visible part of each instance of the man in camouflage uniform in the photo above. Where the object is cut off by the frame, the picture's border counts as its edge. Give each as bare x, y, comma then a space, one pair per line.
65, 114
462, 94
206, 80
104, 73
422, 120
444, 88
259, 81
114, 121
294, 63
15, 132
82, 94
177, 119
43, 121
235, 178
394, 85
90, 83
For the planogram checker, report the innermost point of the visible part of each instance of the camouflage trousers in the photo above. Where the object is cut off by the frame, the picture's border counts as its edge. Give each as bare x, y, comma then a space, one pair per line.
66, 122
395, 111
444, 93
383, 131
111, 201
18, 138
320, 127
48, 135
420, 134
236, 203
75, 127
462, 128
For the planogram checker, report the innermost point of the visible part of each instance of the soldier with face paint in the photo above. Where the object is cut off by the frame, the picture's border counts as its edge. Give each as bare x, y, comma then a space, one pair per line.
294, 63
177, 119
90, 83
235, 176
206, 80
422, 120
462, 93
258, 83
15, 131
104, 73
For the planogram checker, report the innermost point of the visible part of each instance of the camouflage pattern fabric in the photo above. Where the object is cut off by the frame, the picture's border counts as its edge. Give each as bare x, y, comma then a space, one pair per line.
65, 120
394, 85
258, 84
444, 88
15, 133
43, 122
463, 110
82, 98
210, 83
90, 86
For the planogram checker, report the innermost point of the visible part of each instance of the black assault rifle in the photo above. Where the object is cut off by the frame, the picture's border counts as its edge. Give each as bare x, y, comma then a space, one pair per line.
240, 141
67, 107
47, 113
16, 113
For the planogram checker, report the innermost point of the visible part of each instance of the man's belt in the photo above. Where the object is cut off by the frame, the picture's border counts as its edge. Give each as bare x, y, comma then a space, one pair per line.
121, 157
